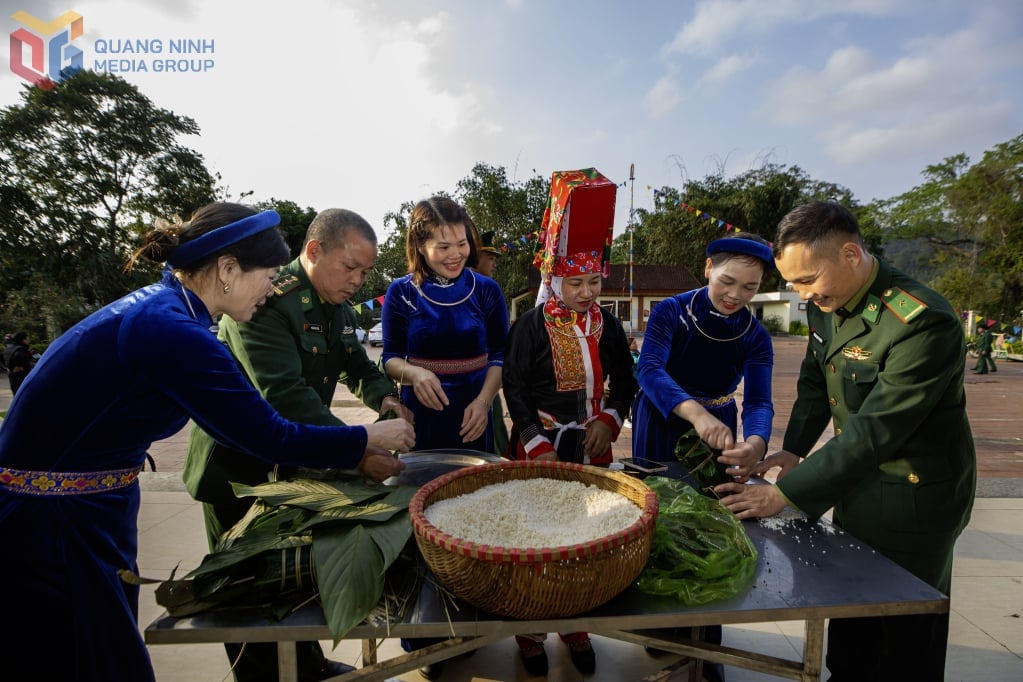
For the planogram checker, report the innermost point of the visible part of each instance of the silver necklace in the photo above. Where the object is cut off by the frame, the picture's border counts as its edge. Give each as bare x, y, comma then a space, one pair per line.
689, 309
448, 305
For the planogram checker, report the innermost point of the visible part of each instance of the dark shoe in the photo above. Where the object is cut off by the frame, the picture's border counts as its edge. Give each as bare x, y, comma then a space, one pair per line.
583, 658
433, 671
332, 669
534, 658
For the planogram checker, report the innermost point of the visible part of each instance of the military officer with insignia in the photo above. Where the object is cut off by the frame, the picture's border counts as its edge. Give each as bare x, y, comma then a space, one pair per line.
884, 363
296, 349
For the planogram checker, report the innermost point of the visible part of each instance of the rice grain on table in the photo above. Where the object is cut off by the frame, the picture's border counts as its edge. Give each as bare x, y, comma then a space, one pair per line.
537, 512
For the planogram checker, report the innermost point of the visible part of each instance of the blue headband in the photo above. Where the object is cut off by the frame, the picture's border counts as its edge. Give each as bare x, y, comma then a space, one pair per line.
215, 240
744, 246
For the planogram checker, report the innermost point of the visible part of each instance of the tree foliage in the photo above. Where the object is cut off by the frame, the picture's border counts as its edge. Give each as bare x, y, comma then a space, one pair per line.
682, 223
965, 227
85, 167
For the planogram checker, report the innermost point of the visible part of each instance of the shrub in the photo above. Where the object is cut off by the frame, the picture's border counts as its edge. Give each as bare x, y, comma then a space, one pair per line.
773, 324
797, 328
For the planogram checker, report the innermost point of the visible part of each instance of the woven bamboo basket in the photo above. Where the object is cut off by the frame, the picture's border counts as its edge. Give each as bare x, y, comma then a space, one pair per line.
542, 583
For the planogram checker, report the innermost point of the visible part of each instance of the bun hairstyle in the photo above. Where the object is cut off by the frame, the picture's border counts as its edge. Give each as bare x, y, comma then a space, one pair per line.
261, 250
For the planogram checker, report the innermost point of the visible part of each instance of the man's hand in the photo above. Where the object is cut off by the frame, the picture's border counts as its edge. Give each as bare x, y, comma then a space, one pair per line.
391, 434
392, 404
750, 501
378, 464
783, 459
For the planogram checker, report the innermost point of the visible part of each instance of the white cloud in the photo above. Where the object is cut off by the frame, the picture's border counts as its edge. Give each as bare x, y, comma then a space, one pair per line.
959, 127
716, 23
663, 97
726, 68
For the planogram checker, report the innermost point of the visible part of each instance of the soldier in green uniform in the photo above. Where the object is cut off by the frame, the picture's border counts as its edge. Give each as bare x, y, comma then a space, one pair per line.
295, 349
884, 363
985, 346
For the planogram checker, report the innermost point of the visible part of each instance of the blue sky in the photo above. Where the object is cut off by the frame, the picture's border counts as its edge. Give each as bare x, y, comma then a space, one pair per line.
364, 105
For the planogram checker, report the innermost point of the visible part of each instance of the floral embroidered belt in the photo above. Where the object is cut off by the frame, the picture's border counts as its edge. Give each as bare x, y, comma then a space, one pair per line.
715, 402
64, 483
453, 366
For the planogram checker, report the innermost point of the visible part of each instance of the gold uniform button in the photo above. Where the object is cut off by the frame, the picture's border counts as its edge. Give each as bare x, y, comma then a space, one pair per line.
833, 401
324, 380
838, 432
854, 376
832, 368
315, 350
913, 478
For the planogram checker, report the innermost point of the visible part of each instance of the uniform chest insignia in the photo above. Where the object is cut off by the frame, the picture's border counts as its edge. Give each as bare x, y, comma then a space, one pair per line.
904, 305
285, 284
348, 330
310, 327
856, 353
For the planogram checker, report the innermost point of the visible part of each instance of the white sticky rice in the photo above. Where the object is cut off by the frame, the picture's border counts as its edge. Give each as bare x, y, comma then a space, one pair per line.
537, 512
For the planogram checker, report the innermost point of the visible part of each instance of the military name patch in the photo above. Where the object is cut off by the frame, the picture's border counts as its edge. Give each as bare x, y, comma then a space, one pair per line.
856, 353
816, 337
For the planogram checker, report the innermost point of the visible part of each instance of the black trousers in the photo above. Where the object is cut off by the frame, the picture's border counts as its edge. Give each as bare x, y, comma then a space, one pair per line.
895, 648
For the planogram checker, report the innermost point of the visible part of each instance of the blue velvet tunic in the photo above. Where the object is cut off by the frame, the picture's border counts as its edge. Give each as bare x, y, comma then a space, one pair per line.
678, 363
129, 374
457, 325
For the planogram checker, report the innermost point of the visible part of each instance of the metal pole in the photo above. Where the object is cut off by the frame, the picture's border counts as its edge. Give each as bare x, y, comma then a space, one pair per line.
633, 317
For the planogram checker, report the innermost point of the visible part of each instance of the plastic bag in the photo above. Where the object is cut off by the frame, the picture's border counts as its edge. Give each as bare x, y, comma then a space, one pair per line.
700, 550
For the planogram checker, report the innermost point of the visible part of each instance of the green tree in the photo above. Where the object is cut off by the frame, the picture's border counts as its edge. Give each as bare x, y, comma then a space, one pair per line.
969, 221
681, 225
87, 166
513, 211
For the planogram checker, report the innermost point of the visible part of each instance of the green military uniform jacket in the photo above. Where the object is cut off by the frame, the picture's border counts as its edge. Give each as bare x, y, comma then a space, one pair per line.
901, 469
295, 350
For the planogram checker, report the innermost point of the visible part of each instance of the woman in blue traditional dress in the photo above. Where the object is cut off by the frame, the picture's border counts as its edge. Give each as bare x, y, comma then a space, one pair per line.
445, 328
697, 347
131, 373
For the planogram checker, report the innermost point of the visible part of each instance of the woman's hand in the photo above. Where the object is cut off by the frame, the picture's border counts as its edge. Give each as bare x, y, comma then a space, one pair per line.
597, 439
377, 464
713, 432
741, 459
427, 388
474, 420
390, 434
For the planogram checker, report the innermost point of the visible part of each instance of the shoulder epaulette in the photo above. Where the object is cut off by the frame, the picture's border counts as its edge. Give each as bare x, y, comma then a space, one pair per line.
285, 284
904, 305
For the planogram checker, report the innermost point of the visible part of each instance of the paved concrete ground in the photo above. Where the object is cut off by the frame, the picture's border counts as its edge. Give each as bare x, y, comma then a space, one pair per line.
986, 638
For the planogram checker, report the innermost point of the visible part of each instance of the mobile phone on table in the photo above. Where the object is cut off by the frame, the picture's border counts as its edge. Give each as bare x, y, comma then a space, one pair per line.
647, 466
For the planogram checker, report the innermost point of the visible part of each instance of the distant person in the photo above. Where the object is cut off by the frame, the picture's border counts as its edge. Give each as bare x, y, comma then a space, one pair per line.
884, 365
296, 348
20, 361
985, 347
562, 353
131, 373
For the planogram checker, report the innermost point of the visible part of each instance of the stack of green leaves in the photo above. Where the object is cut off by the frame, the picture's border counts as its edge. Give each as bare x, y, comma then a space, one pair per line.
700, 550
700, 460
301, 536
